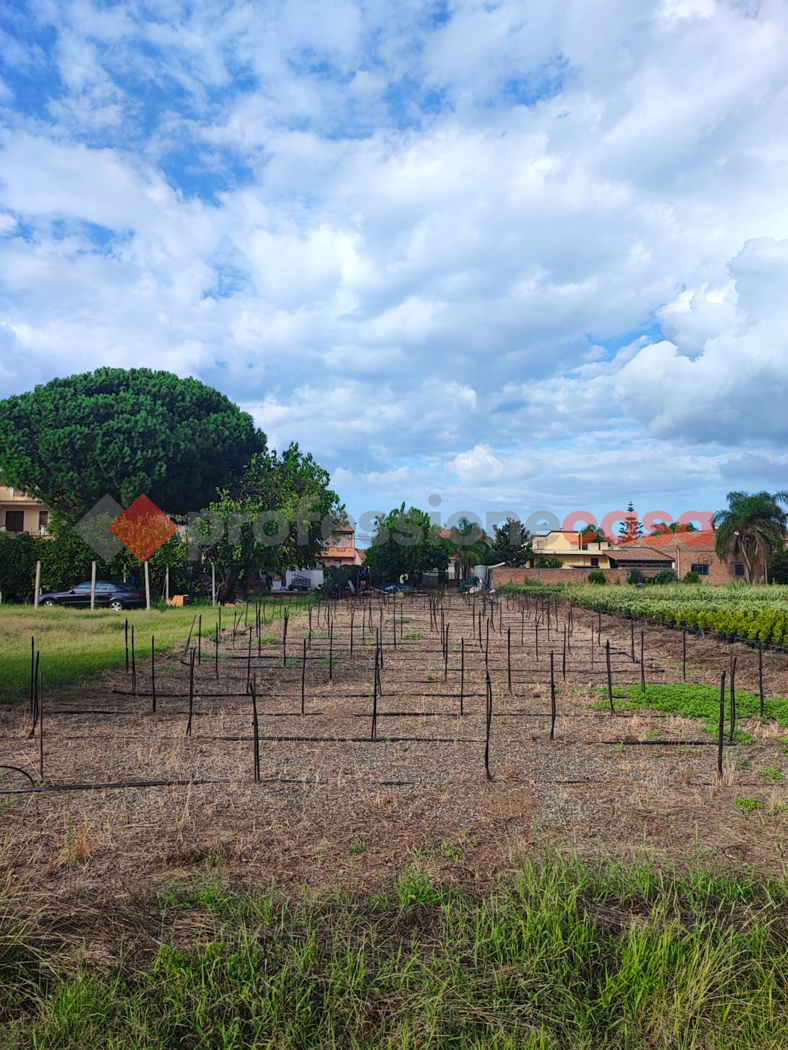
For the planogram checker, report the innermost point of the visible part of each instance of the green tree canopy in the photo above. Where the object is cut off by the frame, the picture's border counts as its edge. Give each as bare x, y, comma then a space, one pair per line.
512, 544
405, 543
752, 528
277, 516
125, 433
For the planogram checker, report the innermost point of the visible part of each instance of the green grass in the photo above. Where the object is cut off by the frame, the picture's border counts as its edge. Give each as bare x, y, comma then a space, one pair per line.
748, 805
561, 956
690, 700
77, 644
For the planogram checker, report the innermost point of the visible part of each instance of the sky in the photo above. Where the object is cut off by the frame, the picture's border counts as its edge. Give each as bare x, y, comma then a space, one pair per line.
519, 256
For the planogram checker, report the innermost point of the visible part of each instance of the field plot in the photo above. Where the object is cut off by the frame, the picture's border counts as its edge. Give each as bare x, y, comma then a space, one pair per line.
372, 751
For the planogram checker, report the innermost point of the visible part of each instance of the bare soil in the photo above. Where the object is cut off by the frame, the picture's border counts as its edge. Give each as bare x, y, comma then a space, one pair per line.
128, 800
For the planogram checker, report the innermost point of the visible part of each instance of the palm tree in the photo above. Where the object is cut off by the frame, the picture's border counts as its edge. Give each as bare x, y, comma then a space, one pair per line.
753, 528
471, 545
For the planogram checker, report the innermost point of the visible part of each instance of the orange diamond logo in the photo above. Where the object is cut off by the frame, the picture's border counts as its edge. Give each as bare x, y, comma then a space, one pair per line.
142, 528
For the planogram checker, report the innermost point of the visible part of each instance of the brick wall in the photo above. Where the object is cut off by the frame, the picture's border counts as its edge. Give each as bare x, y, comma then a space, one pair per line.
517, 577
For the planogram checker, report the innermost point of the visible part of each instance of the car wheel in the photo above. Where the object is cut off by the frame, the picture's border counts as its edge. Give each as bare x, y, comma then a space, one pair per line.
116, 605
49, 601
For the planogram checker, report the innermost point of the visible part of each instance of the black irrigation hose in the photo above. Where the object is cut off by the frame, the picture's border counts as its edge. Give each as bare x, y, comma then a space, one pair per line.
113, 786
16, 769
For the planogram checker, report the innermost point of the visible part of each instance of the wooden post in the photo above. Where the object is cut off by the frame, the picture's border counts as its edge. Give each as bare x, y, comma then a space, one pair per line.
216, 652
126, 632
303, 678
40, 729
284, 638
632, 638
92, 585
374, 733
249, 663
760, 675
166, 585
446, 655
37, 680
38, 585
609, 677
643, 660
133, 664
147, 587
721, 727
213, 583
191, 693
462, 675
331, 652
255, 732
536, 638
153, 673
33, 671
563, 657
488, 727
733, 697
509, 655
684, 654
552, 697
352, 618
199, 638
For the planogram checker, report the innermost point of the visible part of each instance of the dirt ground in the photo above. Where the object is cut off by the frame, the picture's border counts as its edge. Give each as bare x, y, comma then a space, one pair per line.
128, 799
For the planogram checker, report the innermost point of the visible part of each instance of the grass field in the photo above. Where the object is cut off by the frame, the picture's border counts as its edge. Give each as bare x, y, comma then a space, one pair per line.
76, 644
559, 956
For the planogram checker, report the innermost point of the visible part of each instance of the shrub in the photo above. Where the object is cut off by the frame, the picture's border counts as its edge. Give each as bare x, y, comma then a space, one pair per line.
635, 576
666, 576
597, 577
692, 577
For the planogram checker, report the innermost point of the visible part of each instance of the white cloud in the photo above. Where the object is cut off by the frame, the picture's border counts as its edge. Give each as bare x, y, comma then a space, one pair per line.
528, 249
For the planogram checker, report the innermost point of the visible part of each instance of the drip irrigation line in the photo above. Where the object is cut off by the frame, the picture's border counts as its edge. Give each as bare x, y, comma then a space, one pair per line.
118, 785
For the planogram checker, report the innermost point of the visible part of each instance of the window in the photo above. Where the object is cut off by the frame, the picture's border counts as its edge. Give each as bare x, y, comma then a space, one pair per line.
700, 568
15, 521
82, 587
738, 568
43, 519
595, 563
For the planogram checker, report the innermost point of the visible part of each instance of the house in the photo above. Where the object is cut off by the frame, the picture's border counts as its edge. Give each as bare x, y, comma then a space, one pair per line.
691, 552
569, 549
343, 549
22, 513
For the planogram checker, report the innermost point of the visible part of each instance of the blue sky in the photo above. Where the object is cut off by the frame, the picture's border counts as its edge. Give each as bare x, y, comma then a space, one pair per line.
522, 255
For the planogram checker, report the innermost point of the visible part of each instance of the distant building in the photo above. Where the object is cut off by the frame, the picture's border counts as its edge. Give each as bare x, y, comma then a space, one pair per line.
22, 513
343, 551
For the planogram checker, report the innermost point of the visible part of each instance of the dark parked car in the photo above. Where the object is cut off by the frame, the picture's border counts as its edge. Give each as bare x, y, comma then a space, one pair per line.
108, 594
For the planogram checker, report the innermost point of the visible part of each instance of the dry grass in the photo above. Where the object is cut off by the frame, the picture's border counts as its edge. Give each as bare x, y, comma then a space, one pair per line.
604, 781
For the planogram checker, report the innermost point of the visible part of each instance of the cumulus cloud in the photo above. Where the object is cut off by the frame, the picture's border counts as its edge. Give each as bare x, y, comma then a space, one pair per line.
510, 252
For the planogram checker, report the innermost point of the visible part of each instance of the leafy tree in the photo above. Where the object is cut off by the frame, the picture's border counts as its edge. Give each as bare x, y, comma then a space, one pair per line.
691, 577
71, 441
405, 543
778, 570
590, 534
548, 561
597, 577
511, 545
752, 528
278, 516
662, 528
636, 576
